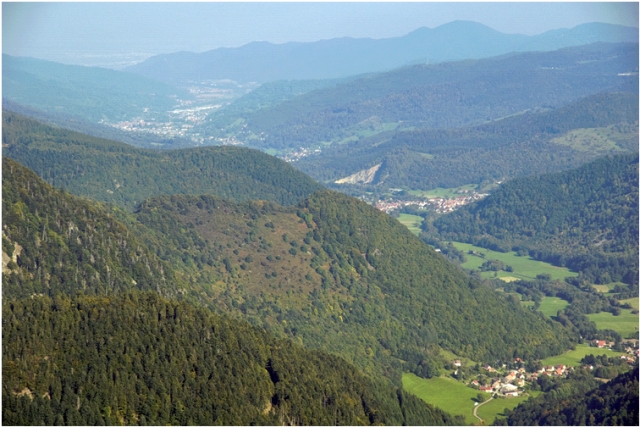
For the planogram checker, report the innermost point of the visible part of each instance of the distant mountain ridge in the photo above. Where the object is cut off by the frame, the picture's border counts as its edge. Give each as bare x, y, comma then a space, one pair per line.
445, 95
115, 172
89, 92
524, 144
340, 57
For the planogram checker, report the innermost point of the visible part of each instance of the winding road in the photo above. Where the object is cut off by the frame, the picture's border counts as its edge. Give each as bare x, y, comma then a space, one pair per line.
475, 409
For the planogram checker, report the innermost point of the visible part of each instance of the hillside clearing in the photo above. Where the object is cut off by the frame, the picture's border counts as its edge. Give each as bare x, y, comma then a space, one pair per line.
524, 267
412, 222
626, 324
573, 357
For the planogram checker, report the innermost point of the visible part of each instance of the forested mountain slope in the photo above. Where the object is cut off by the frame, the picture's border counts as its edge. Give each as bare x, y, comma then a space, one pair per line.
340, 57
89, 92
586, 219
79, 349
53, 242
339, 275
612, 404
525, 144
140, 359
443, 95
117, 173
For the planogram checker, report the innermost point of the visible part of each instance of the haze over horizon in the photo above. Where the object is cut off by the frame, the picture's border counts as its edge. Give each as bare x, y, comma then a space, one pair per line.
115, 35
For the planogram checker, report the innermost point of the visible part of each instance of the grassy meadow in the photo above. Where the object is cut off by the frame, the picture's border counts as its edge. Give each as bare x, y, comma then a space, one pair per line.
456, 398
603, 139
443, 192
549, 306
573, 357
633, 302
626, 324
412, 222
524, 267
494, 409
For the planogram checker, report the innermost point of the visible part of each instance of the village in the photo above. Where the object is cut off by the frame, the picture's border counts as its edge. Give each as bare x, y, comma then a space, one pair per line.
438, 204
513, 379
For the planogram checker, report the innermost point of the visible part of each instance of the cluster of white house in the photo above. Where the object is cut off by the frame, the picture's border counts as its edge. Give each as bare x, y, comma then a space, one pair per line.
510, 385
439, 204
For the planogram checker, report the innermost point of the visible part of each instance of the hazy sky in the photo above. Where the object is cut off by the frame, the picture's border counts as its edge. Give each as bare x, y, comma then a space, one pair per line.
68, 31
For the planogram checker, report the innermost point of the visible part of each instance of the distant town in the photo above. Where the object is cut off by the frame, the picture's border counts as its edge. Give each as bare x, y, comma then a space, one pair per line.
438, 204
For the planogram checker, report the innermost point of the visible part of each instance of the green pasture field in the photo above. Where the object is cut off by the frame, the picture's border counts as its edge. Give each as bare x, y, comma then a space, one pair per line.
626, 324
608, 287
633, 302
528, 303
412, 222
524, 267
573, 357
603, 288
494, 409
549, 306
442, 192
456, 398
445, 393
365, 131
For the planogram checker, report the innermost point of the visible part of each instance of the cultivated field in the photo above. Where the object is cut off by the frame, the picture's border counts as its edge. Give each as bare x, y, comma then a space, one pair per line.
524, 267
573, 357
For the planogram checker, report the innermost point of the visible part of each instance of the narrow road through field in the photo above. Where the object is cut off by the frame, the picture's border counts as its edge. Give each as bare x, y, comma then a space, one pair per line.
475, 408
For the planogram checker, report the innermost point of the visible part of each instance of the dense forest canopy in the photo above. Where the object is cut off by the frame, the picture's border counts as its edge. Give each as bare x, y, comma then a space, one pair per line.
117, 173
332, 266
140, 359
335, 268
54, 243
576, 404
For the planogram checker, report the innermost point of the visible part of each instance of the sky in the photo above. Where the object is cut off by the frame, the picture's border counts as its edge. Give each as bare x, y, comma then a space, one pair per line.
122, 33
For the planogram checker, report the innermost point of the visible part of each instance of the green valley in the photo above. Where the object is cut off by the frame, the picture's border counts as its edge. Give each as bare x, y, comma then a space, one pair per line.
348, 231
523, 266
584, 219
